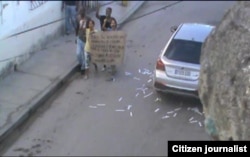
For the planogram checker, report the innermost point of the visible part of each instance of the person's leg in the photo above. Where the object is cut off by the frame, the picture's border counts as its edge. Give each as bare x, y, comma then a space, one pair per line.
111, 73
78, 51
80, 54
87, 60
67, 19
73, 17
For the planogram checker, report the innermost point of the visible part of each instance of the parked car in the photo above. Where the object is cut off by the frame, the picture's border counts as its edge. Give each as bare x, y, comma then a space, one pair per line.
178, 66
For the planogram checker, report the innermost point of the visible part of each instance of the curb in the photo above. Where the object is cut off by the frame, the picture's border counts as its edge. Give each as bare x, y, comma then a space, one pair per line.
132, 11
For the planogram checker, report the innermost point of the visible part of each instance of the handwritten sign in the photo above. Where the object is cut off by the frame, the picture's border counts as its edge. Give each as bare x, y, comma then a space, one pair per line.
108, 47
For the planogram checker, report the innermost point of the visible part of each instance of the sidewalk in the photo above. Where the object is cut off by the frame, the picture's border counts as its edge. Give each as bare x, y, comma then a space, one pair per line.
23, 91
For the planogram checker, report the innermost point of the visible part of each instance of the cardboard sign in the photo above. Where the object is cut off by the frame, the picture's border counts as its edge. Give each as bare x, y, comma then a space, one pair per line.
108, 47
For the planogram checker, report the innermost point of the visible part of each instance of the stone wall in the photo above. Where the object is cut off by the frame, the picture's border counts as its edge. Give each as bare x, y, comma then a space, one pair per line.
225, 76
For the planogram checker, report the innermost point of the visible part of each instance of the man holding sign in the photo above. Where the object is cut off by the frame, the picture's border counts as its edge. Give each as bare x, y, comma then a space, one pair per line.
108, 48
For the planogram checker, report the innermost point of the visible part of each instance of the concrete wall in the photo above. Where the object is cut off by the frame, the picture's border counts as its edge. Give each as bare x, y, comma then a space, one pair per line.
16, 18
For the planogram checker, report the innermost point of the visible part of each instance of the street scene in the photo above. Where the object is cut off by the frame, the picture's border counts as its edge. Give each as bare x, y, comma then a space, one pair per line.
122, 116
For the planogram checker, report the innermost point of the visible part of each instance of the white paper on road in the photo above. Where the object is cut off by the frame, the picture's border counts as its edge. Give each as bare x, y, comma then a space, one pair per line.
142, 89
150, 80
148, 95
129, 107
119, 110
157, 99
196, 110
174, 114
139, 70
195, 121
137, 94
131, 114
101, 104
157, 109
191, 118
92, 107
128, 73
120, 99
165, 117
177, 109
200, 124
170, 112
136, 78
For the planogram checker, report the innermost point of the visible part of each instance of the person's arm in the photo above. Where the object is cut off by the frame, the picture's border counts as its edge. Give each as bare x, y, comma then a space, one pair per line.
97, 12
104, 25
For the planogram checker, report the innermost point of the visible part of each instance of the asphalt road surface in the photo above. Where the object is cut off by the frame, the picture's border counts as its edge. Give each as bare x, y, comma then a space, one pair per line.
125, 117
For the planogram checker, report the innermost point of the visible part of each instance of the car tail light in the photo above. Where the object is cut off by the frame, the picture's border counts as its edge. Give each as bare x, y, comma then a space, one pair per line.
160, 65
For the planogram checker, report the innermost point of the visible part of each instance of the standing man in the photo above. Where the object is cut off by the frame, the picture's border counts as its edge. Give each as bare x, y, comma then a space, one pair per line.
70, 15
107, 18
81, 26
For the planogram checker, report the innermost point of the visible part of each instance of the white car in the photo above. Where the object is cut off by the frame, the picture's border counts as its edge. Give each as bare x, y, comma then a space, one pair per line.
178, 66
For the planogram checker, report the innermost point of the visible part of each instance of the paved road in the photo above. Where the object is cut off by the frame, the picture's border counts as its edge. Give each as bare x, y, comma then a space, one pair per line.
69, 125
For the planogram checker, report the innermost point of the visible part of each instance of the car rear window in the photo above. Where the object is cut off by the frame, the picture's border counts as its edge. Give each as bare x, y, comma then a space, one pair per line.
184, 51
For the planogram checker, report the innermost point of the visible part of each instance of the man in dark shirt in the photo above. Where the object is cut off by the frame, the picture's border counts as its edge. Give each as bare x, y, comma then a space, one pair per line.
70, 15
106, 18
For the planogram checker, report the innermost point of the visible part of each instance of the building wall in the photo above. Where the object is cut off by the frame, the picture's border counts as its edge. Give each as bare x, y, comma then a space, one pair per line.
17, 17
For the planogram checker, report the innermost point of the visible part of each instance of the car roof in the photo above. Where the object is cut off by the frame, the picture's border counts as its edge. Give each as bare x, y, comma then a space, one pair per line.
193, 31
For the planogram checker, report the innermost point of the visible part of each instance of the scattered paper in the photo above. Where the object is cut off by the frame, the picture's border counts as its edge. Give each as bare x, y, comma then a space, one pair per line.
120, 99
174, 114
148, 95
101, 104
200, 124
191, 118
170, 112
136, 78
157, 110
129, 107
150, 80
146, 70
137, 94
177, 109
157, 99
119, 110
196, 110
92, 107
165, 117
131, 114
139, 70
128, 74
195, 121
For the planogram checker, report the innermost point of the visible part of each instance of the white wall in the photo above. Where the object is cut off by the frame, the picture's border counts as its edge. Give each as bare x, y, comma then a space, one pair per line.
17, 18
